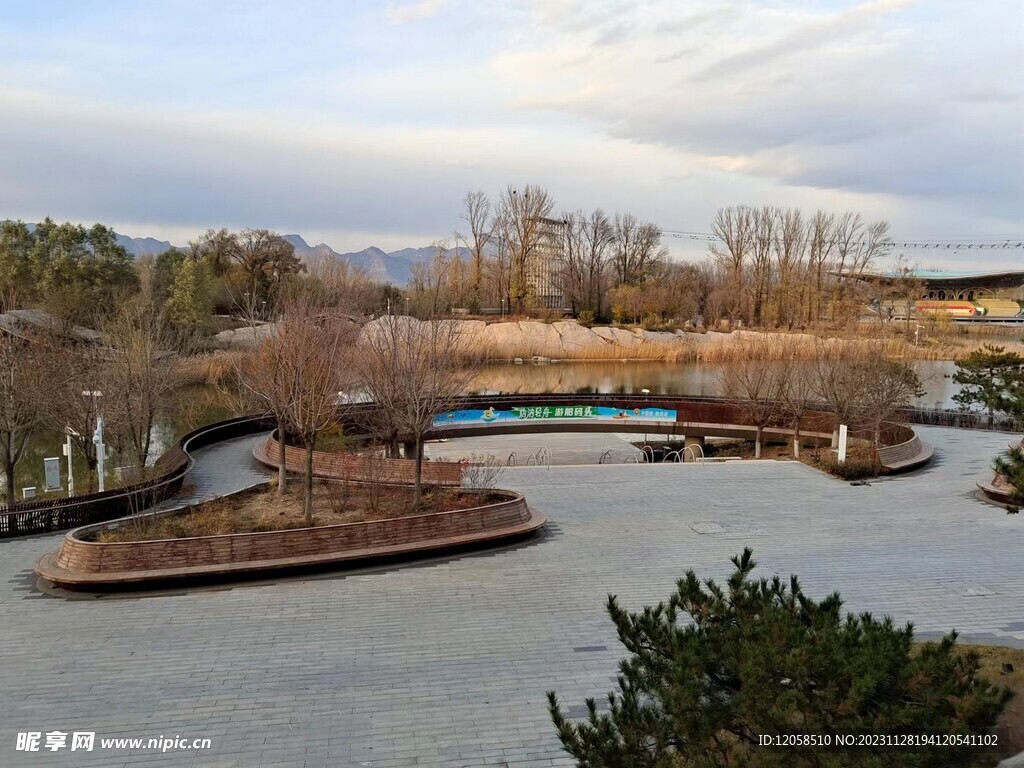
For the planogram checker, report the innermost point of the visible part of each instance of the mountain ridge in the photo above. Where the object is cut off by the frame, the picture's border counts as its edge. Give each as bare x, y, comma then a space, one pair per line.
394, 267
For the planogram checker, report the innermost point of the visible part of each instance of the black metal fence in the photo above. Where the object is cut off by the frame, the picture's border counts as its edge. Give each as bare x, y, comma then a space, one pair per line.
948, 417
170, 469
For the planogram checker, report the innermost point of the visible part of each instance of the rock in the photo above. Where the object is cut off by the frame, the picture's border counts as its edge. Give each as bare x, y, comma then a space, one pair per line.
619, 336
576, 340
659, 337
246, 336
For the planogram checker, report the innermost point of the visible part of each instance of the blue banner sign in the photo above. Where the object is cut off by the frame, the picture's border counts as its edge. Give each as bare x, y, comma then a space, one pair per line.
534, 412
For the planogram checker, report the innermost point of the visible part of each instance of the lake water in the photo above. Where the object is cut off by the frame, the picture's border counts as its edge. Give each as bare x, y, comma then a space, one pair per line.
202, 405
664, 378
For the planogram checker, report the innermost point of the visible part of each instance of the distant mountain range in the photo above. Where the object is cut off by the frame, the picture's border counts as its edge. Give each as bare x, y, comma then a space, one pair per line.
395, 267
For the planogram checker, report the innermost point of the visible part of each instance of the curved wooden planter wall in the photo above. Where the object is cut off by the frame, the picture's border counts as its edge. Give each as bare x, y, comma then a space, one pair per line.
94, 566
906, 456
343, 466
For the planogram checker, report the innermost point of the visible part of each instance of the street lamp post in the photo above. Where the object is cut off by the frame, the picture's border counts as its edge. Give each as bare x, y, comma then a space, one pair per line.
97, 437
69, 433
645, 393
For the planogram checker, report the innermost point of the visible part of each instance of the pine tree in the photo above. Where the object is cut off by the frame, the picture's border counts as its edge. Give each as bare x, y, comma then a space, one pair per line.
760, 658
993, 379
1010, 467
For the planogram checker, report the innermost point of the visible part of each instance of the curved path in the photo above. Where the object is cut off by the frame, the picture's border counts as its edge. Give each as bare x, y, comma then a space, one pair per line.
446, 663
220, 469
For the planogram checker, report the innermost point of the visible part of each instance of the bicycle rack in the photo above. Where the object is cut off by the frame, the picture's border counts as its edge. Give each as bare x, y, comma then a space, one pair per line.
693, 453
606, 455
511, 460
544, 455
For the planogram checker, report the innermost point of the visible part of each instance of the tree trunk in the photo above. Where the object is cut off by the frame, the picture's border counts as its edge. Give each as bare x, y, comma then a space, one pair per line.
308, 500
90, 465
9, 474
757, 443
418, 490
281, 472
146, 440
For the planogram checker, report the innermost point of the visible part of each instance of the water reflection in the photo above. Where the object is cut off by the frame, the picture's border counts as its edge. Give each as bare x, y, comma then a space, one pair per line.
663, 378
192, 407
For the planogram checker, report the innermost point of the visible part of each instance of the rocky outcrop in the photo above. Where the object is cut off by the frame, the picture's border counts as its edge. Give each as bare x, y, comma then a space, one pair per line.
565, 339
562, 340
246, 336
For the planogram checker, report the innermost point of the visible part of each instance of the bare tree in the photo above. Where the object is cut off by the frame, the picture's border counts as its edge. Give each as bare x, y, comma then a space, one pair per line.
820, 245
27, 373
343, 285
733, 228
839, 382
573, 271
789, 245
264, 259
73, 408
796, 391
141, 373
316, 345
906, 286
762, 240
755, 389
477, 215
263, 382
437, 285
413, 370
481, 471
889, 385
637, 250
522, 218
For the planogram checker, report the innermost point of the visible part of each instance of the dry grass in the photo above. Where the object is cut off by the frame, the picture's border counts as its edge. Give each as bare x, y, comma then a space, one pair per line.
1011, 722
264, 510
737, 345
936, 341
213, 368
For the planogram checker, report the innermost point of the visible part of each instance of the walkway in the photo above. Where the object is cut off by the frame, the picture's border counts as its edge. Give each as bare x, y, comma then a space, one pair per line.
563, 448
446, 663
220, 469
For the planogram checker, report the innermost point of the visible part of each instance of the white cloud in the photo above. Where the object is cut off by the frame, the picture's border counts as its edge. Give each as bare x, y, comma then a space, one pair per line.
410, 12
905, 111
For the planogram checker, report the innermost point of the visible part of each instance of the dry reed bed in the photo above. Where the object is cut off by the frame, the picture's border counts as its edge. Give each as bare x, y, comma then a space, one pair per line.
740, 345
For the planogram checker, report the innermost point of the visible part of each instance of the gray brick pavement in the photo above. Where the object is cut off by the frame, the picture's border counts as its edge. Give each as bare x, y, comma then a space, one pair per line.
446, 663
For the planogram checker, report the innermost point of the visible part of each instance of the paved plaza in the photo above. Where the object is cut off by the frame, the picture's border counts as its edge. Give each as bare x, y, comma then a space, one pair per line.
446, 663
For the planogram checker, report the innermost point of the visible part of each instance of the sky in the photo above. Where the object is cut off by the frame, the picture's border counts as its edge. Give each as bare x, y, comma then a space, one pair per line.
365, 123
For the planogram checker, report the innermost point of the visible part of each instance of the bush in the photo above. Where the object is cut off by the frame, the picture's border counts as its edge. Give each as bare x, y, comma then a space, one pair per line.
655, 323
586, 318
858, 465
